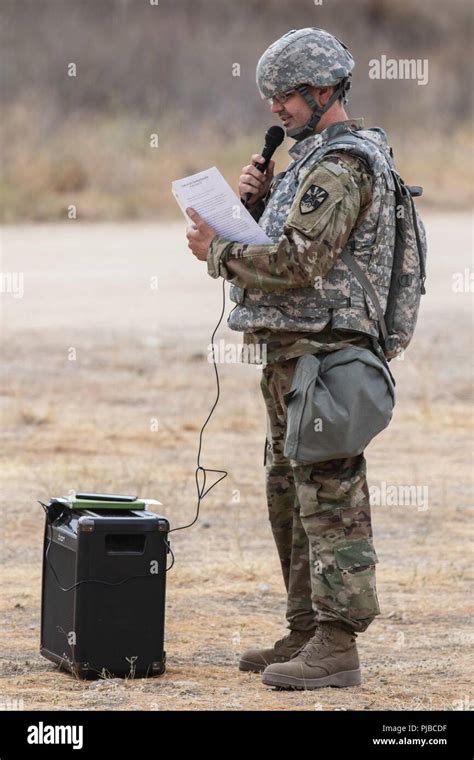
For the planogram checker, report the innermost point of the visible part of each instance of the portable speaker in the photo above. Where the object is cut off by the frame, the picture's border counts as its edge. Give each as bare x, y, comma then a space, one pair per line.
103, 590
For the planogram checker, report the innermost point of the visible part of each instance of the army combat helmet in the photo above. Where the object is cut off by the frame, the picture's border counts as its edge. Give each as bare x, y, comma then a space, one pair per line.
299, 59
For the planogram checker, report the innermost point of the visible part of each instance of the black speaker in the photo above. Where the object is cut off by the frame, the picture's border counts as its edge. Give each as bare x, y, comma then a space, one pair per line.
103, 590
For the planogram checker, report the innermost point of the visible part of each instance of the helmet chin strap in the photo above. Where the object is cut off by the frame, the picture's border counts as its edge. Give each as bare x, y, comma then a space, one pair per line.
299, 133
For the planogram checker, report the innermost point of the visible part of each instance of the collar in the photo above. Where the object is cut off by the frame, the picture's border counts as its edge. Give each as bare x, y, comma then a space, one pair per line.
303, 147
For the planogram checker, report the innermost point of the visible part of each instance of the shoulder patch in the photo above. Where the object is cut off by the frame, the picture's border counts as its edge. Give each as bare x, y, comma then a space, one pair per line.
313, 198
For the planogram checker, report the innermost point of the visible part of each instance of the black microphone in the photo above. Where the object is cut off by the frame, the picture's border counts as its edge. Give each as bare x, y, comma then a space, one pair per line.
274, 137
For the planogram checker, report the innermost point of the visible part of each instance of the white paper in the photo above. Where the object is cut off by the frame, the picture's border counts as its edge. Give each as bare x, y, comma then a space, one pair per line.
209, 194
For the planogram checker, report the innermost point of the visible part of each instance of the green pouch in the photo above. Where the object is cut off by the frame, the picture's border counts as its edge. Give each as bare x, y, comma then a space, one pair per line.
336, 404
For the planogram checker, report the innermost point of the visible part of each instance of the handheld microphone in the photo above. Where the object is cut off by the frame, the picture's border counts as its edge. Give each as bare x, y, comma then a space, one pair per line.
274, 137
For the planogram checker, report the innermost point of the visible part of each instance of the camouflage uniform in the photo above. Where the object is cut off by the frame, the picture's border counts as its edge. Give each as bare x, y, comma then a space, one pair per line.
320, 518
319, 512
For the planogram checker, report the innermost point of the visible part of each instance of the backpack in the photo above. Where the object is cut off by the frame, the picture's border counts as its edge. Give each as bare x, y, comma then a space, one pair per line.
407, 283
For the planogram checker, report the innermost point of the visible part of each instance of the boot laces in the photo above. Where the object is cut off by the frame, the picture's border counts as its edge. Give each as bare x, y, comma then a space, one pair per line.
321, 636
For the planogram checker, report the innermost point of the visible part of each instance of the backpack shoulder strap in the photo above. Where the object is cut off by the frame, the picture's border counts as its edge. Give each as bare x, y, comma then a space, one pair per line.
364, 281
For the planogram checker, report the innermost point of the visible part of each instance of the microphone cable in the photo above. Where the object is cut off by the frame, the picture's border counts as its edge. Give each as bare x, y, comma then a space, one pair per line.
202, 491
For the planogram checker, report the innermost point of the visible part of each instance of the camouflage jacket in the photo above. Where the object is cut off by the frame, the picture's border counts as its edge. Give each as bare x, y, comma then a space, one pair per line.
331, 196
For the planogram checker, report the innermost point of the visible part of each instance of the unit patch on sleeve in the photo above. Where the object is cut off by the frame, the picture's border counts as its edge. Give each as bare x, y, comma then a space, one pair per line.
313, 198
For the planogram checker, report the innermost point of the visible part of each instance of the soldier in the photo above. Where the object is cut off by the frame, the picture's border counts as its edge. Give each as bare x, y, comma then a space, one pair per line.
296, 296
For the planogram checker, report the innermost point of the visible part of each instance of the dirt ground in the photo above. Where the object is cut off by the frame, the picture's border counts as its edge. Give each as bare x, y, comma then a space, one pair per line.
94, 353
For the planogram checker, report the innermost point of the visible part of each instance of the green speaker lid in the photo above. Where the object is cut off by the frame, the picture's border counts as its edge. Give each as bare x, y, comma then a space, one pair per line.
96, 501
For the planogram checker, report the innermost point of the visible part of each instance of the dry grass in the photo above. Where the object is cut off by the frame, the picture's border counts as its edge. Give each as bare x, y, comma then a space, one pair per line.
87, 426
105, 167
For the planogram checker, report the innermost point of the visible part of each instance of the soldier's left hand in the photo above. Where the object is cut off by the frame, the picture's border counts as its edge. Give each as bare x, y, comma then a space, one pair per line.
200, 235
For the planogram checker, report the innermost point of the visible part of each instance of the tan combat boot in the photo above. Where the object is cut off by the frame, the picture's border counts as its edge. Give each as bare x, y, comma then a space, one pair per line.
257, 660
328, 659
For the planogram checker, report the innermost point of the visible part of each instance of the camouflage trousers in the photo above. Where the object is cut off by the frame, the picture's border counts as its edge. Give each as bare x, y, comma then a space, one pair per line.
320, 518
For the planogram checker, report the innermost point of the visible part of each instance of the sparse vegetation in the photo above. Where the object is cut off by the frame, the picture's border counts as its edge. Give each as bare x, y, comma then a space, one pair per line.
168, 70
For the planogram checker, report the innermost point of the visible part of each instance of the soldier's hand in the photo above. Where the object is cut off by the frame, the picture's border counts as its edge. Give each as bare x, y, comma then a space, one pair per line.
199, 235
253, 181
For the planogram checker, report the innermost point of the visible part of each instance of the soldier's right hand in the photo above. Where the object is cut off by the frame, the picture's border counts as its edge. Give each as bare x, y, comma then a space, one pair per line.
253, 181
